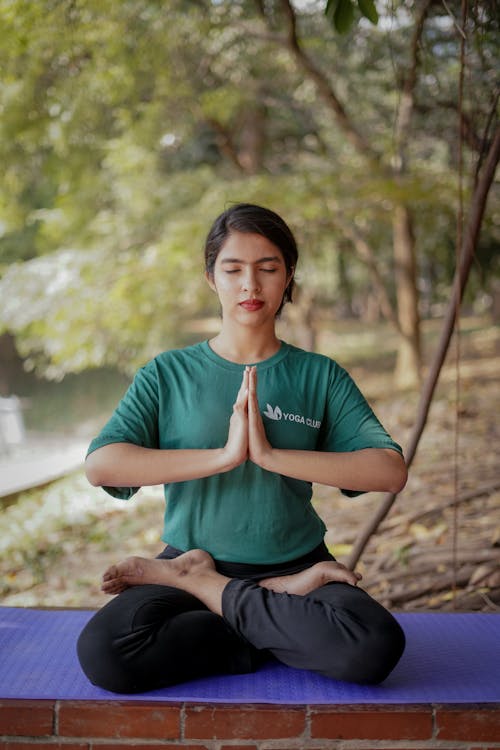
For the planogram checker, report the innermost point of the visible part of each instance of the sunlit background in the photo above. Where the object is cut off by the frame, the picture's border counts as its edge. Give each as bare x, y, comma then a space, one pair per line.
125, 128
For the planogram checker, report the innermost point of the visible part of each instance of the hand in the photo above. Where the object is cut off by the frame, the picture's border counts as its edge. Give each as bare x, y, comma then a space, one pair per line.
236, 448
259, 447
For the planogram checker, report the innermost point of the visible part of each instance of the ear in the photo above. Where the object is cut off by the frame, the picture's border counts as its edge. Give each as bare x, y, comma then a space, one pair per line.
210, 281
290, 276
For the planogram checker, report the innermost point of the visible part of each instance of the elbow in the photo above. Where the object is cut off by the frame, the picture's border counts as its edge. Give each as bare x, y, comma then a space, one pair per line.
399, 477
94, 470
394, 474
397, 486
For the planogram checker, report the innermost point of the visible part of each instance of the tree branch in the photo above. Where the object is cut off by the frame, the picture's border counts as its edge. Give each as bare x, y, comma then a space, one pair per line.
469, 244
407, 101
225, 142
367, 256
472, 138
324, 87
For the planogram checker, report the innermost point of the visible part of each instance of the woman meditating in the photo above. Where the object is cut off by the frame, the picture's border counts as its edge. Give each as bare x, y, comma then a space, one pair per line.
237, 429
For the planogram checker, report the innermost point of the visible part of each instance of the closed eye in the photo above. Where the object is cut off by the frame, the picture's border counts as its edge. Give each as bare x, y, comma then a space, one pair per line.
237, 270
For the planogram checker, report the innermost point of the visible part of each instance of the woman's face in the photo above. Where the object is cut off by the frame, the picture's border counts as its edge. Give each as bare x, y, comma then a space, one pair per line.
250, 278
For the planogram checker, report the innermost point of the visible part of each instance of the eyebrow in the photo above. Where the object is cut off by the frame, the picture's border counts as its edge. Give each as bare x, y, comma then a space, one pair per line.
266, 259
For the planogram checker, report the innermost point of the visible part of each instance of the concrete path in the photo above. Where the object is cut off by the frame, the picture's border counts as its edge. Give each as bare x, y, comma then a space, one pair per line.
40, 461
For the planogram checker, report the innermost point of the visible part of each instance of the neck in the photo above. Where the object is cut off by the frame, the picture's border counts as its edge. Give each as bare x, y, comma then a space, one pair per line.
247, 346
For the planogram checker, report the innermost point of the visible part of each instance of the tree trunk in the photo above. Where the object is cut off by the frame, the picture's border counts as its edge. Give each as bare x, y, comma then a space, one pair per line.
407, 373
11, 365
495, 300
299, 320
252, 138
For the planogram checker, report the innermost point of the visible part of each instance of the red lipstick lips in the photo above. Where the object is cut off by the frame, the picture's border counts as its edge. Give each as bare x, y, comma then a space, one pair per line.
251, 305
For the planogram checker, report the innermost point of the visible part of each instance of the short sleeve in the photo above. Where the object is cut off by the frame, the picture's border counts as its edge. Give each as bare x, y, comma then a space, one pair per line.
135, 421
350, 423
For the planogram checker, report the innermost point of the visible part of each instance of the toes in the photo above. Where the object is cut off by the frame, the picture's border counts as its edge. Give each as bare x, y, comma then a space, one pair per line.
348, 576
352, 577
341, 573
112, 581
110, 573
113, 587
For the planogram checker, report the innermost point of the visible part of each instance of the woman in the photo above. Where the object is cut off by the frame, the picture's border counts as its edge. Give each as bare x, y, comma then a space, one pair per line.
237, 428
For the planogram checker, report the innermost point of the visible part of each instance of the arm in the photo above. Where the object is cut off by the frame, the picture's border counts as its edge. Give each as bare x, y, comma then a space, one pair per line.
126, 464
370, 469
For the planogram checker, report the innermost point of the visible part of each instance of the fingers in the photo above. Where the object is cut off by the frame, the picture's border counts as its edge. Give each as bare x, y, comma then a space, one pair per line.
236, 448
252, 389
242, 395
246, 417
256, 426
248, 389
248, 384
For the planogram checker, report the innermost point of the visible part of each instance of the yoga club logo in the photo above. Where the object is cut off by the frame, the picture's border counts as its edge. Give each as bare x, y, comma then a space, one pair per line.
278, 414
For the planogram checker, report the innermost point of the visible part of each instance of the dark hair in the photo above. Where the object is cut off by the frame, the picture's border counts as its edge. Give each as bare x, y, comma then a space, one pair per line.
251, 219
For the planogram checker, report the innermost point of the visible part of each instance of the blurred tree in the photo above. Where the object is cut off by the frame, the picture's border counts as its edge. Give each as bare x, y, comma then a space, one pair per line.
391, 159
127, 127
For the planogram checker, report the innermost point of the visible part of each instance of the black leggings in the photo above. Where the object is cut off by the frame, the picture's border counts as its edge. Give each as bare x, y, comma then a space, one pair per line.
151, 636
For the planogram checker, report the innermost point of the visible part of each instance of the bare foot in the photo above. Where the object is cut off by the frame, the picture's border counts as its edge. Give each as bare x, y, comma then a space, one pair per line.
139, 570
311, 578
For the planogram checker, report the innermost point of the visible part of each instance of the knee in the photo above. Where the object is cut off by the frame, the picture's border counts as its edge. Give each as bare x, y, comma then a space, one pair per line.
370, 655
102, 662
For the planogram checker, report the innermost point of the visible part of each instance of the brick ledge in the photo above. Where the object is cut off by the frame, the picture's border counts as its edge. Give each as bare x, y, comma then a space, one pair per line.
107, 725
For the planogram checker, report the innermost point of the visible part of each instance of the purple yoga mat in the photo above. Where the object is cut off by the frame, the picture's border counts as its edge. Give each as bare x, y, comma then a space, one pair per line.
449, 658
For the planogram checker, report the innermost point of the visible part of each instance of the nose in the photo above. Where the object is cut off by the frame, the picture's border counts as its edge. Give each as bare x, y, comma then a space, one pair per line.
250, 281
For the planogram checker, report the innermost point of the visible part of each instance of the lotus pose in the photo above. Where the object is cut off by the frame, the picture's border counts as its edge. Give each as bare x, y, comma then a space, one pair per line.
238, 428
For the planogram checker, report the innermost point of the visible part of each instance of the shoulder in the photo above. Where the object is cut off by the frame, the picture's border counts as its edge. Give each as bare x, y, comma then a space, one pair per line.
312, 368
172, 358
313, 361
168, 362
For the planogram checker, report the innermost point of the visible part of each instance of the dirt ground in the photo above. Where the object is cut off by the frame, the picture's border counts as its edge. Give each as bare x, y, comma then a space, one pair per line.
439, 547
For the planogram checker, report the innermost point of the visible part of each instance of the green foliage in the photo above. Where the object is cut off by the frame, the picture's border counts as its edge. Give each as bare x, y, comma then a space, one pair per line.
369, 11
127, 127
341, 13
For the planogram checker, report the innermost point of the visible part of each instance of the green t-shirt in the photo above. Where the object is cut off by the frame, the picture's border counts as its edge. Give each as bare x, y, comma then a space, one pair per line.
184, 399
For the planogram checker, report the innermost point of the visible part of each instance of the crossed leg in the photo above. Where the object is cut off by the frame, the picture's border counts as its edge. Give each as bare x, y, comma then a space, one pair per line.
216, 624
195, 572
153, 636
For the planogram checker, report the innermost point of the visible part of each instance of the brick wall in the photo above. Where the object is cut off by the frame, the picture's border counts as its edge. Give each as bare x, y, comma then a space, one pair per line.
109, 725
